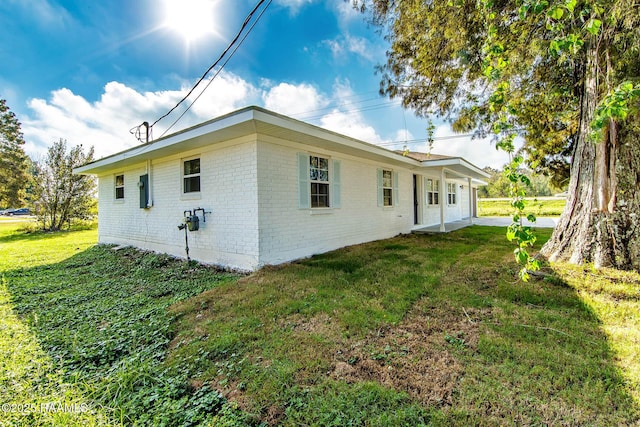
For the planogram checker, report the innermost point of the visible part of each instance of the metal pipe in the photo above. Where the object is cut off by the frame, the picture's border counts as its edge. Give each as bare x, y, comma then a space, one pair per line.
186, 242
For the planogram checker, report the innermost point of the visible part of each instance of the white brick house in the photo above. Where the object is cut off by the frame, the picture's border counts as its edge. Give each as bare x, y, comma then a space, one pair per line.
274, 189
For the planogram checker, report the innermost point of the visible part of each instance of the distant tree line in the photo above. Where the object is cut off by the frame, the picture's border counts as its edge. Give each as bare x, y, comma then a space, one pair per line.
47, 186
498, 185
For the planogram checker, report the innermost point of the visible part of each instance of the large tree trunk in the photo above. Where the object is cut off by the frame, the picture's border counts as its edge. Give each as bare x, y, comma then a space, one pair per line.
601, 220
626, 217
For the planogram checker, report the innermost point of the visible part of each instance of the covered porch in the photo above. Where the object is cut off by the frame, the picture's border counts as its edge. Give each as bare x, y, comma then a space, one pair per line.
448, 193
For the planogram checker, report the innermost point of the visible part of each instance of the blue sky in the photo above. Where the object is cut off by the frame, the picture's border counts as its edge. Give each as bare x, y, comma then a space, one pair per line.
89, 71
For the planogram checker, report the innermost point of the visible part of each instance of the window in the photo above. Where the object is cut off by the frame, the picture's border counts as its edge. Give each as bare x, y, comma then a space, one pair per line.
119, 187
433, 191
319, 177
387, 188
191, 176
316, 188
451, 193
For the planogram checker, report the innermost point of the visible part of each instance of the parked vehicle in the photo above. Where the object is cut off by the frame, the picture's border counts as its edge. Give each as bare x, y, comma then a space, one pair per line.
16, 212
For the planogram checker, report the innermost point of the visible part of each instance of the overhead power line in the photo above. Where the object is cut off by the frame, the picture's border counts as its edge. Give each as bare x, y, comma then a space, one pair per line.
423, 140
336, 109
219, 69
233, 42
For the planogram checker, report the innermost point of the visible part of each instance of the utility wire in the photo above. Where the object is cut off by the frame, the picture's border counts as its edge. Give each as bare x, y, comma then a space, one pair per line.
354, 110
218, 71
436, 138
235, 39
335, 104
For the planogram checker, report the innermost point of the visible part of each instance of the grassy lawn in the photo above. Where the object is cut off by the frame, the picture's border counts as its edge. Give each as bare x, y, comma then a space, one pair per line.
415, 330
544, 206
87, 327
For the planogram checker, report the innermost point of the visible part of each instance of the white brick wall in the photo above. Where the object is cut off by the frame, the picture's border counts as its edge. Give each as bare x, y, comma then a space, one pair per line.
228, 189
251, 189
287, 232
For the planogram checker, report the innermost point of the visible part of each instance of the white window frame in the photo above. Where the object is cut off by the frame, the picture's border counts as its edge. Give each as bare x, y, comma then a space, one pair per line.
432, 195
452, 195
387, 188
117, 187
319, 182
184, 176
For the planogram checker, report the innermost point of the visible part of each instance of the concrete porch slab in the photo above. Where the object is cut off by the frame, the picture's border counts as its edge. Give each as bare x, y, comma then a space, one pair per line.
491, 221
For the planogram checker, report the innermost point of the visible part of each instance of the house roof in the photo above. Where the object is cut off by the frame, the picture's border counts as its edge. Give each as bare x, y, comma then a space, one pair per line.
421, 157
256, 120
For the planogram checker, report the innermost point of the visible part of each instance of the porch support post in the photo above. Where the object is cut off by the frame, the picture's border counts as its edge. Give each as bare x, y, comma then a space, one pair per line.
443, 198
470, 202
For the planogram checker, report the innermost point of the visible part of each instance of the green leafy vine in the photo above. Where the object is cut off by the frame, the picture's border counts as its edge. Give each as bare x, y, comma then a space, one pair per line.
494, 66
571, 25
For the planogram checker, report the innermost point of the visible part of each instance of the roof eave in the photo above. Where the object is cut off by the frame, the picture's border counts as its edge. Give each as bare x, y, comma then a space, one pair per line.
256, 120
469, 169
239, 123
151, 150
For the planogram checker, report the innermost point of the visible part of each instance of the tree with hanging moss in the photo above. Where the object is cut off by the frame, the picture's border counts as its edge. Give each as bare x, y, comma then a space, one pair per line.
14, 163
60, 196
564, 75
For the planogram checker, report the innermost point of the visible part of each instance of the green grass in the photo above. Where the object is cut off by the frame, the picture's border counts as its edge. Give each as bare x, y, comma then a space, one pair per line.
84, 325
415, 330
540, 207
430, 329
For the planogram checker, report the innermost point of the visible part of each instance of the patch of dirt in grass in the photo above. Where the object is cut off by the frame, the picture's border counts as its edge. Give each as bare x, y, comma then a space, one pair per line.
417, 356
274, 415
319, 324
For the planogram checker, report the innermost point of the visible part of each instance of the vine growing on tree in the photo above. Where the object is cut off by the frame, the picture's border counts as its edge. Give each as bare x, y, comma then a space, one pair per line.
568, 27
563, 75
493, 67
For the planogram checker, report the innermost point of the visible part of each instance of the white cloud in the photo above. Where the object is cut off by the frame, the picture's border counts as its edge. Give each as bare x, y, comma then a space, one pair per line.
344, 45
105, 124
291, 100
226, 93
305, 102
350, 124
351, 121
403, 135
346, 12
336, 47
44, 13
293, 5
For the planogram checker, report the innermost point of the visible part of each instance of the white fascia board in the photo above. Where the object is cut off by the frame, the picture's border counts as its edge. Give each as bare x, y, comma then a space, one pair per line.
161, 146
239, 123
329, 139
458, 166
256, 120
